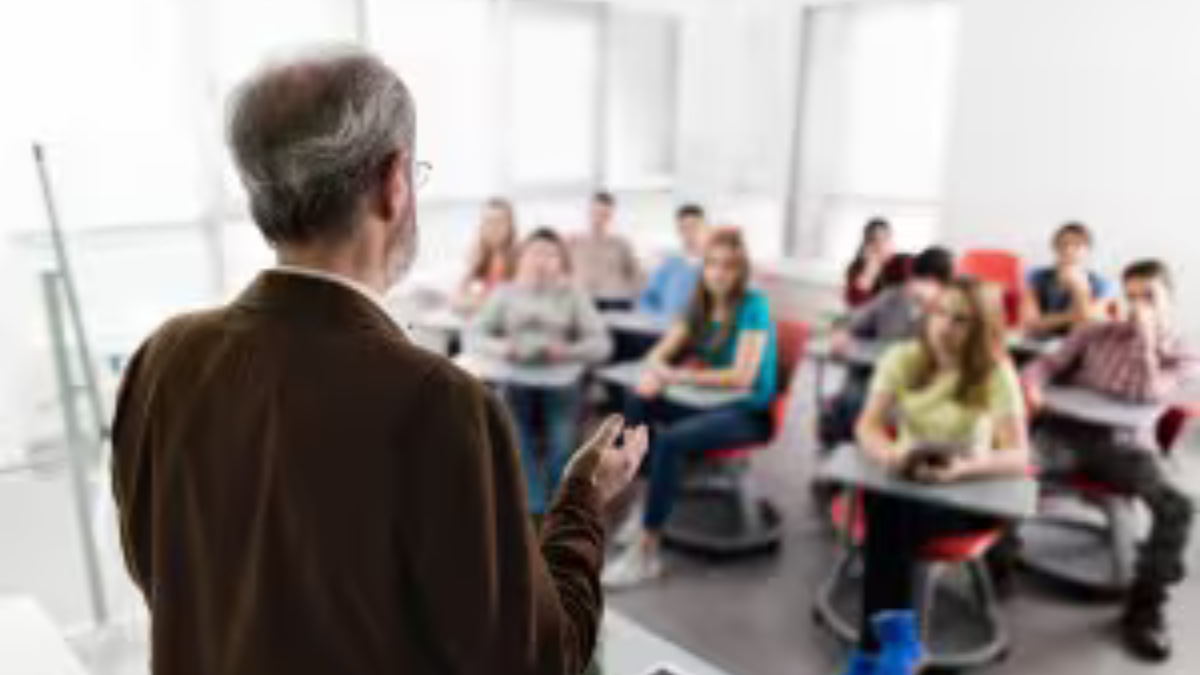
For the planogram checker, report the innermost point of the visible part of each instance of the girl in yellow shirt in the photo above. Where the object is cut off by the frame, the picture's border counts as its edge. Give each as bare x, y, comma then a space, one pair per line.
953, 386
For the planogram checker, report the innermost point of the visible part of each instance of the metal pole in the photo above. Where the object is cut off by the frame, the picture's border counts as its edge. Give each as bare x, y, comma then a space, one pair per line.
76, 457
88, 365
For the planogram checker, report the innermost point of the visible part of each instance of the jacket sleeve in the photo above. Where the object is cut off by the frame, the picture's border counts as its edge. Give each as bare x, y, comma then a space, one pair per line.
493, 599
131, 472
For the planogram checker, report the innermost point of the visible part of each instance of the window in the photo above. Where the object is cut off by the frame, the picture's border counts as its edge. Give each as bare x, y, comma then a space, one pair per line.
641, 101
443, 49
103, 93
553, 95
875, 116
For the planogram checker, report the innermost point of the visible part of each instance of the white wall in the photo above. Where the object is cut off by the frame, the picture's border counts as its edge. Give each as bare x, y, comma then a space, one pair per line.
1080, 109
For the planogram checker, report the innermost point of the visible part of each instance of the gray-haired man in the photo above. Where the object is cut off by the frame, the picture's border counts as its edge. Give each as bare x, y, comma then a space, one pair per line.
303, 491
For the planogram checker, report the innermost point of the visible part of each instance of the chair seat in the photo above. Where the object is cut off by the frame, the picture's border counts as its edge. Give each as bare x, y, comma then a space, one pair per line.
949, 549
961, 547
732, 454
1092, 488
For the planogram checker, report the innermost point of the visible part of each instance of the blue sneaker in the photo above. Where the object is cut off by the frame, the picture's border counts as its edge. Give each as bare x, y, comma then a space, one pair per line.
861, 664
901, 651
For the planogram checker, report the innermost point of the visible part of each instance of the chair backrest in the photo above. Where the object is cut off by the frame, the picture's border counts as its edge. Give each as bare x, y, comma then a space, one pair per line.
1179, 425
1002, 268
791, 341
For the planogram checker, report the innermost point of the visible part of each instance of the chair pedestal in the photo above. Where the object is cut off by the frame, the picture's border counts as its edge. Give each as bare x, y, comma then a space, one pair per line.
968, 633
720, 514
972, 635
1086, 556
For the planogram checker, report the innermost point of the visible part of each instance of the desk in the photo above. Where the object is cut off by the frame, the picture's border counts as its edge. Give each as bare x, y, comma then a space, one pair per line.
441, 318
626, 648
30, 644
627, 375
1086, 405
1007, 498
859, 353
863, 353
1022, 344
637, 323
499, 371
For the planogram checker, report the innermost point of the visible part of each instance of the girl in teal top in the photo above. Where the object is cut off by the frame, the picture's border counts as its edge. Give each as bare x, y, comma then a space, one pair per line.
725, 340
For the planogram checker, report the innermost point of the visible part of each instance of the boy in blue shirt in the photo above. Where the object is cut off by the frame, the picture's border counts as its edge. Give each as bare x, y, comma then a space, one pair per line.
1061, 298
673, 283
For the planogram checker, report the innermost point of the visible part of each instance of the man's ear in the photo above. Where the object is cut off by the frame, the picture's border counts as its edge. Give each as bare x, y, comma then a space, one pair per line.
392, 187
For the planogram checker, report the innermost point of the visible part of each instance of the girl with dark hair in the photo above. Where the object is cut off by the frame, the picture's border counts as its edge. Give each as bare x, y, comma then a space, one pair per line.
954, 386
541, 318
493, 256
863, 274
725, 339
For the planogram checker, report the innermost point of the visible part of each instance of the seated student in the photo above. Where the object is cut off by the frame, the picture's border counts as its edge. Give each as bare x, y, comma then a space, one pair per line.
671, 286
605, 266
953, 386
727, 329
862, 275
492, 256
540, 318
1140, 359
893, 315
1067, 295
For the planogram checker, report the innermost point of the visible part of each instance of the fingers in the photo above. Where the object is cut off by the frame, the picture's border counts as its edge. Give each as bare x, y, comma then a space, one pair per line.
637, 442
607, 434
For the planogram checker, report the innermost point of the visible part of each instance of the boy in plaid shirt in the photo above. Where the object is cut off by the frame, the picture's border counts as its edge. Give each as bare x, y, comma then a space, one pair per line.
1142, 359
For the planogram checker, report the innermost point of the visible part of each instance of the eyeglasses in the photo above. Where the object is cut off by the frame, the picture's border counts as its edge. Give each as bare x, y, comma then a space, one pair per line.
421, 173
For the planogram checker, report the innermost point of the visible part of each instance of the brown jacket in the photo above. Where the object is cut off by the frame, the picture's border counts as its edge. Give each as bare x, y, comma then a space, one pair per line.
302, 491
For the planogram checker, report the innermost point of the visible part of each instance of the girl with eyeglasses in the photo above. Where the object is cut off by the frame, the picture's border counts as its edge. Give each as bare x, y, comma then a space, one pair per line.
541, 318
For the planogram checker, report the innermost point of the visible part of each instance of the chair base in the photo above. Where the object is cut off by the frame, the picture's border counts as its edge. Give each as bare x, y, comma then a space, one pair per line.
983, 642
723, 522
1078, 558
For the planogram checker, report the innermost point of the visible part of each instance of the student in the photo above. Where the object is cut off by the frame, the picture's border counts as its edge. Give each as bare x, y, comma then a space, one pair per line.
727, 330
893, 315
1067, 295
1139, 359
673, 283
493, 256
862, 275
954, 386
540, 318
605, 266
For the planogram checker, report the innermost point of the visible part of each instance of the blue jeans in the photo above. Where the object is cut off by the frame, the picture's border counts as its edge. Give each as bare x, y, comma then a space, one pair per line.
556, 412
687, 432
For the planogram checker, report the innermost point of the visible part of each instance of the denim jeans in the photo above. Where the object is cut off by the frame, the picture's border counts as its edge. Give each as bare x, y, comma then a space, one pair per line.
540, 414
678, 432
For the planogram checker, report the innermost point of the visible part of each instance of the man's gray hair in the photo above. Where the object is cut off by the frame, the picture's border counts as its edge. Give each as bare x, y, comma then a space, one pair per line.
311, 136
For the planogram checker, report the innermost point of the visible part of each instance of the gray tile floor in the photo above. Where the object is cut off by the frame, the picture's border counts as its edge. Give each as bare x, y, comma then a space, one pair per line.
753, 618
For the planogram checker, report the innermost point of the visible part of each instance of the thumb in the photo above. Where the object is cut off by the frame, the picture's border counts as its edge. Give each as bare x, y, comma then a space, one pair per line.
586, 460
606, 435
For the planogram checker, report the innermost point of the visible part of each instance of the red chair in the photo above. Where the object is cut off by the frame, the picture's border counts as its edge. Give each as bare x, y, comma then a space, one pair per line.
1092, 551
1001, 268
938, 559
719, 510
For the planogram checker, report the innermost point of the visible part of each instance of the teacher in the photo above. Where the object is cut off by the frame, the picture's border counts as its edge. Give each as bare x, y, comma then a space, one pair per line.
302, 490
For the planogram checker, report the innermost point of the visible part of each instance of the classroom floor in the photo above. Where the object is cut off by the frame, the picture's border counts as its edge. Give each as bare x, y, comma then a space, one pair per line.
753, 618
